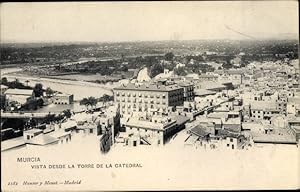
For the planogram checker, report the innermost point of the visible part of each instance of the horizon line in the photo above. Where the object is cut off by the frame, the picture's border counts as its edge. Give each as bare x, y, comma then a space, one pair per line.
140, 41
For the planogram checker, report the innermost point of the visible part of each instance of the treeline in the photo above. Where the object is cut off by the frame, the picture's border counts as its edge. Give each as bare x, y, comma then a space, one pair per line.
16, 84
92, 101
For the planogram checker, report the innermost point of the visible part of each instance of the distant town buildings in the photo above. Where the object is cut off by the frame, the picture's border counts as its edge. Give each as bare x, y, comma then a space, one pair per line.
219, 101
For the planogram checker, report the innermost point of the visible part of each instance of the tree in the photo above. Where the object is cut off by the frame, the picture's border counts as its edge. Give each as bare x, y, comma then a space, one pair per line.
227, 65
49, 118
49, 92
40, 102
31, 104
155, 70
85, 102
67, 113
91, 101
106, 98
4, 81
15, 84
169, 56
180, 71
30, 123
38, 90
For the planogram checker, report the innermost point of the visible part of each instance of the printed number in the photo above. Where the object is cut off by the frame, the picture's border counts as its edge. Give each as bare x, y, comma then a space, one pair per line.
13, 183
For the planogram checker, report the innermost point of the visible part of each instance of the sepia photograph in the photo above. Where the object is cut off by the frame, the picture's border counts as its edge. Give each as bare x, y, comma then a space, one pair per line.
135, 96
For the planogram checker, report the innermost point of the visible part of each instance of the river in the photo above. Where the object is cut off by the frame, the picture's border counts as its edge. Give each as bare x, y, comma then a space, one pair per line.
80, 89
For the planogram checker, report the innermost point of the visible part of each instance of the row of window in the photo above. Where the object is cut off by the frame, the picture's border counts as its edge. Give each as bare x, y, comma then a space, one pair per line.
255, 116
142, 109
188, 89
143, 129
264, 112
135, 106
141, 95
176, 94
232, 146
141, 101
284, 105
176, 99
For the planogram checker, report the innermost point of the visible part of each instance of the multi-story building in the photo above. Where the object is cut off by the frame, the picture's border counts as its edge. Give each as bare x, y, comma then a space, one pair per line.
188, 91
200, 136
187, 85
19, 95
102, 125
153, 131
233, 75
147, 97
63, 99
263, 110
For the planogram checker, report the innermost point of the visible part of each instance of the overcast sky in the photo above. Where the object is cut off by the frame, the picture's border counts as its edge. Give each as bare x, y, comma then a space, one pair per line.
132, 21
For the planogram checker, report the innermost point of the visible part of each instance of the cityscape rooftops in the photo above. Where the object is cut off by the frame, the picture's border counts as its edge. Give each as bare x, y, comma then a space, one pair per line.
233, 121
226, 133
199, 131
134, 122
60, 133
235, 72
32, 131
263, 105
280, 136
204, 92
251, 126
210, 120
208, 76
294, 120
180, 119
218, 115
42, 139
296, 129
12, 143
192, 76
211, 85
184, 84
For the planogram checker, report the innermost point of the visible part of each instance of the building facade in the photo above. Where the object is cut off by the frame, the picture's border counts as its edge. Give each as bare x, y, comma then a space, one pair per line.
147, 97
63, 99
188, 91
19, 95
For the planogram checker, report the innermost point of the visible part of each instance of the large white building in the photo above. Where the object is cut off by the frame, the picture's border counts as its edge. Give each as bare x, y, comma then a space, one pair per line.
19, 95
148, 97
